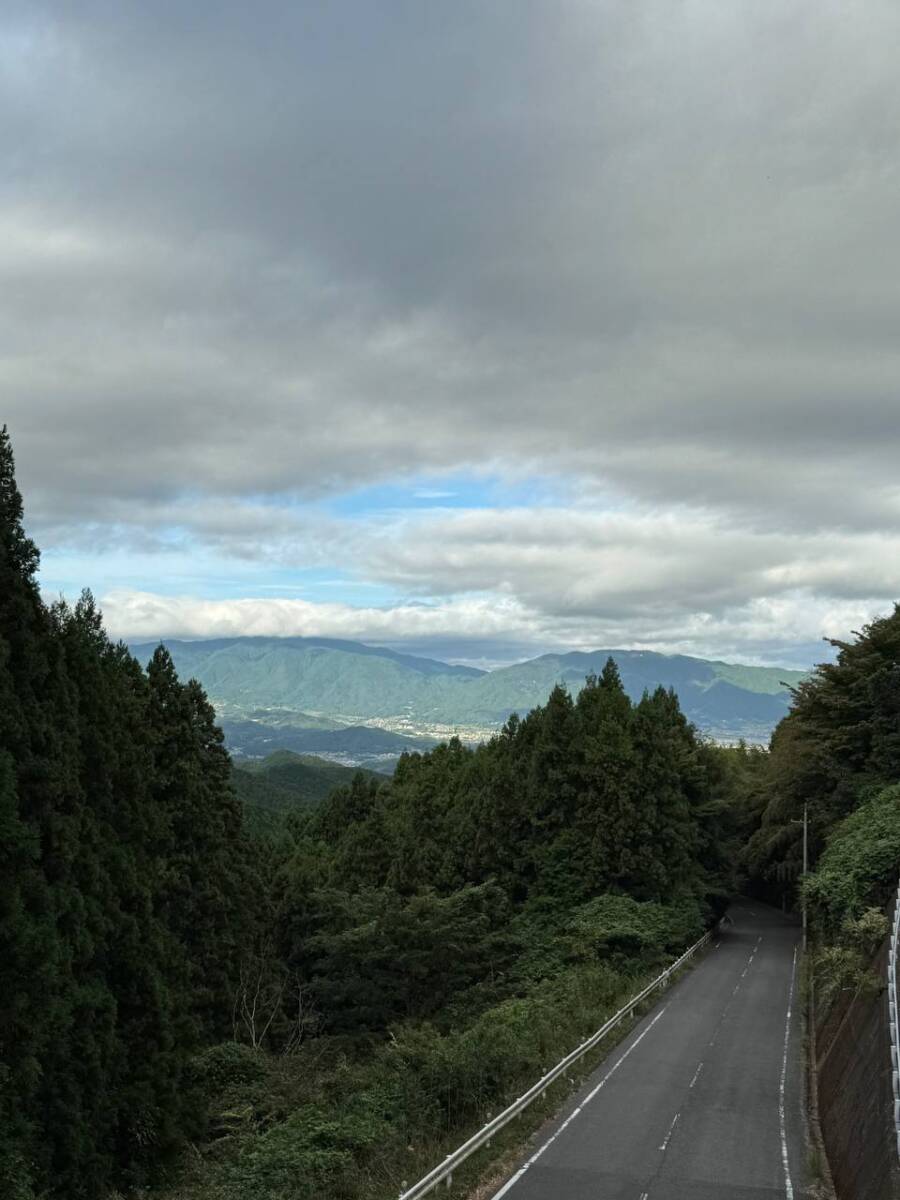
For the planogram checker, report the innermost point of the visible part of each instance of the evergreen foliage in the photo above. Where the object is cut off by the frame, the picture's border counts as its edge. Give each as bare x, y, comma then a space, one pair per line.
838, 748
125, 883
409, 899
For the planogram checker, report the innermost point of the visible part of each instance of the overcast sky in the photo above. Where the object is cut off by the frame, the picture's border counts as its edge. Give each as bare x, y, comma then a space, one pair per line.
484, 328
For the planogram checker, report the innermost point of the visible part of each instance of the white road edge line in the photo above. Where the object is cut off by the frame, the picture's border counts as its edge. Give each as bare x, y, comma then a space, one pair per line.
572, 1115
788, 1186
696, 1074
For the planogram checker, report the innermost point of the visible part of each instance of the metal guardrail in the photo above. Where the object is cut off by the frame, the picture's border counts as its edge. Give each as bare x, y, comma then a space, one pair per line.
894, 1022
444, 1172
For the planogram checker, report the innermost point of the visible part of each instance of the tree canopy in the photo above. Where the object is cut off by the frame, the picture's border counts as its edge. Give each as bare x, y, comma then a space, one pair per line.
125, 874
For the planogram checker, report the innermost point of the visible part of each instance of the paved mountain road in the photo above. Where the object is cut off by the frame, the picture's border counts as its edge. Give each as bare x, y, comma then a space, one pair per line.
704, 1099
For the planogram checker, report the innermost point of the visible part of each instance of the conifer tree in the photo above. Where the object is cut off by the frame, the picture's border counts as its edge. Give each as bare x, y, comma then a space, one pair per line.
607, 792
124, 891
207, 887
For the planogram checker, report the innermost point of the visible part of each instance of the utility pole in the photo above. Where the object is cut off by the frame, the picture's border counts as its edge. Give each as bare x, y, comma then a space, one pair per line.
805, 863
805, 824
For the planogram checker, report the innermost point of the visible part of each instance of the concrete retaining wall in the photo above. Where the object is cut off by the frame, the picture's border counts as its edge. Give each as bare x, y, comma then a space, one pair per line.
855, 1096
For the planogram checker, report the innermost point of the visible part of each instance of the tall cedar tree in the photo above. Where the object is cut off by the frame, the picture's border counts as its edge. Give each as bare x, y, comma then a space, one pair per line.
117, 948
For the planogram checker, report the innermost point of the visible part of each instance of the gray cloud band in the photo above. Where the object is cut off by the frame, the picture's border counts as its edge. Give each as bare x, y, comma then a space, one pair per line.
647, 247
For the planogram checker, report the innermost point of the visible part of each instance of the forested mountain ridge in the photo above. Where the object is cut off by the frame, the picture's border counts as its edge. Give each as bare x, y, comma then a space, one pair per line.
353, 684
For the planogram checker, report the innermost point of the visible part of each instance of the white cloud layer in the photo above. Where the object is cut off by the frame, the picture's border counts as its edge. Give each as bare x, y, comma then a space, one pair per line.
763, 631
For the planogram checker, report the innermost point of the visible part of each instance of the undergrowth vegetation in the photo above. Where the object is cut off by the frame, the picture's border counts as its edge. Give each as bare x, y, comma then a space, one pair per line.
350, 1121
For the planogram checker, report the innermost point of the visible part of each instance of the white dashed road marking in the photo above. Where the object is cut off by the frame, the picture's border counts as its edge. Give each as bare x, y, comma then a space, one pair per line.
569, 1119
665, 1141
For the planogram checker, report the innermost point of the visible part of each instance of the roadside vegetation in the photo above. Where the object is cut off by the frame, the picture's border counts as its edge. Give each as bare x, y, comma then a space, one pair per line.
838, 752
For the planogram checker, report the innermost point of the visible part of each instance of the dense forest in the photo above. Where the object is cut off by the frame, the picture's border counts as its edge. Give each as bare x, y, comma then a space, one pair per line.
193, 1004
125, 879
838, 754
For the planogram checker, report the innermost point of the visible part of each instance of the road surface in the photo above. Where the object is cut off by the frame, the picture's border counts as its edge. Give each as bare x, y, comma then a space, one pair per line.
704, 1099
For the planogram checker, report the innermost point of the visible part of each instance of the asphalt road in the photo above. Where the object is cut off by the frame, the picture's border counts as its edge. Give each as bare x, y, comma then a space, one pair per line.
704, 1099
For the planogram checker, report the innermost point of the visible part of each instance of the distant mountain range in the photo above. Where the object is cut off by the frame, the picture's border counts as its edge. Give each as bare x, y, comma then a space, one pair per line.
355, 703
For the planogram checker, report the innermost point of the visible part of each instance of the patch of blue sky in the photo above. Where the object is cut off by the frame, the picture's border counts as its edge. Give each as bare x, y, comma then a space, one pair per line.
187, 570
456, 491
179, 571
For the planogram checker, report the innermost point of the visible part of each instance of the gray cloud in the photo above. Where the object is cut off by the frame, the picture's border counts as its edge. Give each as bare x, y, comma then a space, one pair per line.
531, 577
287, 251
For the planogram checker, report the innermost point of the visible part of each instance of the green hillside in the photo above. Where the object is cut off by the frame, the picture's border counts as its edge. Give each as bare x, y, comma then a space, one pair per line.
299, 682
286, 781
343, 680
767, 680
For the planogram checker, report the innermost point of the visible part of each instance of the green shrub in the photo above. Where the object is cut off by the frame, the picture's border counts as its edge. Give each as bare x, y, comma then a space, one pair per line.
314, 1153
626, 929
866, 931
228, 1082
860, 865
843, 969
